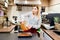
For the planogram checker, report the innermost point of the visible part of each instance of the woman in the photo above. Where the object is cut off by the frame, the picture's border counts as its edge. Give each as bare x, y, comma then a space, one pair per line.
33, 21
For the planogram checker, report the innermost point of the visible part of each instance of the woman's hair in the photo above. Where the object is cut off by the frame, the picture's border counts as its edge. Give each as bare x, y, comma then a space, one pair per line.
38, 14
37, 9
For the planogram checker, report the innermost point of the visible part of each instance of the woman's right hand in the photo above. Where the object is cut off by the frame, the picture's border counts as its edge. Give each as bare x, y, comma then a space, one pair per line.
29, 26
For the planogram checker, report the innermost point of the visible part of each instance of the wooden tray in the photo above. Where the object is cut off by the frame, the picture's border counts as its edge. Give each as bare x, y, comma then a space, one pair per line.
24, 35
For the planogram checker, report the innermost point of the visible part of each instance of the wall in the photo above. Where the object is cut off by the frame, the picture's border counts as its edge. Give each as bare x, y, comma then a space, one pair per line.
13, 12
46, 4
54, 6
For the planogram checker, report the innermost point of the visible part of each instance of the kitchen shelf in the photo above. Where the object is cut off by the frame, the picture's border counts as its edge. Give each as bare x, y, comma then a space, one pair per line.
28, 5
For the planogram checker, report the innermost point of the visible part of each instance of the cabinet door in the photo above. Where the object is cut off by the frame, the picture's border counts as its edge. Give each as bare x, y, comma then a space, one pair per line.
46, 37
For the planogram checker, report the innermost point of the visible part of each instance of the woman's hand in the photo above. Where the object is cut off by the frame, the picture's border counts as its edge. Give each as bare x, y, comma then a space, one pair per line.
29, 26
22, 22
25, 27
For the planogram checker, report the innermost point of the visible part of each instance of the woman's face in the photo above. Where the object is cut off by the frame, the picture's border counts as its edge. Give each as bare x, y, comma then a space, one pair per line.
35, 10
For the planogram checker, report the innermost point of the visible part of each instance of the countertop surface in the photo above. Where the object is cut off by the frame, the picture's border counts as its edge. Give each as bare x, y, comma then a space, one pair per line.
13, 36
50, 33
7, 29
53, 35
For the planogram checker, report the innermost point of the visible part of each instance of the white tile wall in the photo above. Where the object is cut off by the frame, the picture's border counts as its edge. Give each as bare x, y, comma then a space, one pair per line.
14, 12
56, 6
54, 2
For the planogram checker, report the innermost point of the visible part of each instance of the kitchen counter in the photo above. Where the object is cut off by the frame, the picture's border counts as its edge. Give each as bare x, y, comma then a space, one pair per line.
7, 29
13, 36
51, 34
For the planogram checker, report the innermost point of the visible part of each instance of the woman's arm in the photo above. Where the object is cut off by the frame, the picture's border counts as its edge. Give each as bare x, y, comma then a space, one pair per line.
38, 25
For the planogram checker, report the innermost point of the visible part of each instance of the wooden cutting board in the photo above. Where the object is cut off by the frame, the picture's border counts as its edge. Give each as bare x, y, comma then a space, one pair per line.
24, 34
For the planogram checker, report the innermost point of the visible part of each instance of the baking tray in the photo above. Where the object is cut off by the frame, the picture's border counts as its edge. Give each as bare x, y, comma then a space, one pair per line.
24, 35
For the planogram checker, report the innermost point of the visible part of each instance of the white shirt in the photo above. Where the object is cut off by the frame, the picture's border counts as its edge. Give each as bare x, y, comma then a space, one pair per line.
33, 21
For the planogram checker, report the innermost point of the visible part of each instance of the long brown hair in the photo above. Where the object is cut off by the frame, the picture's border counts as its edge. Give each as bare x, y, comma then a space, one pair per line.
38, 10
